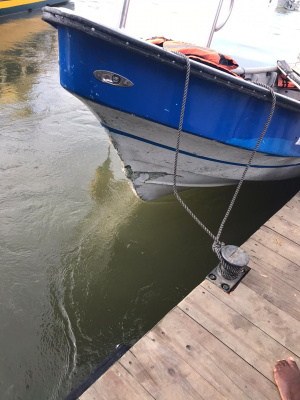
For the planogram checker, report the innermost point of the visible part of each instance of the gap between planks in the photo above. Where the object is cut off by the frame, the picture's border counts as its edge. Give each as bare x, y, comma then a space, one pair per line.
215, 346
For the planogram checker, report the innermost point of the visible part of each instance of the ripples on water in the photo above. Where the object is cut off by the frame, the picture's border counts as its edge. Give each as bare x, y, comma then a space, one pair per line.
86, 265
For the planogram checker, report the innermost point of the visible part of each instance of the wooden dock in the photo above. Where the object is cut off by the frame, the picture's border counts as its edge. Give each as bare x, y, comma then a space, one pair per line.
215, 346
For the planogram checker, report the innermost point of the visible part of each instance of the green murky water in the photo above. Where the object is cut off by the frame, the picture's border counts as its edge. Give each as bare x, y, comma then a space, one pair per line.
84, 264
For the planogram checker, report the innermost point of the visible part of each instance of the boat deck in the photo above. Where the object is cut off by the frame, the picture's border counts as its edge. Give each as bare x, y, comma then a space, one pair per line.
215, 346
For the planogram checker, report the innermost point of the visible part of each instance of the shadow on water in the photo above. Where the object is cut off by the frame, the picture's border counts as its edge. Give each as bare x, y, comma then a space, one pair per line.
130, 262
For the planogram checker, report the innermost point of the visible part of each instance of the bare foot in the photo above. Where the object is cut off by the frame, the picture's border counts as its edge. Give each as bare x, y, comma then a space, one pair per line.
287, 378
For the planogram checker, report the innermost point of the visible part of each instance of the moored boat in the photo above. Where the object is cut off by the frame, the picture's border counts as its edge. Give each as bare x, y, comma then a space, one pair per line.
291, 5
135, 89
16, 6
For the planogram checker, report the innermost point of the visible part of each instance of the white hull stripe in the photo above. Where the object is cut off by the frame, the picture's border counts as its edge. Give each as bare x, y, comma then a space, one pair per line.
192, 154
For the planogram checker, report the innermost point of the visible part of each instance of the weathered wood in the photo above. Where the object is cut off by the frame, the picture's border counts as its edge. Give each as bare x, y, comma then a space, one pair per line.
167, 369
278, 243
273, 289
218, 347
294, 203
116, 384
263, 314
231, 328
286, 223
291, 215
137, 370
219, 365
267, 261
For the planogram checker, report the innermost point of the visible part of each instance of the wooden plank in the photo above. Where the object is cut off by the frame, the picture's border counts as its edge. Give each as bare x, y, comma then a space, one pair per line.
162, 371
249, 342
285, 223
291, 215
218, 347
158, 391
277, 243
116, 384
214, 361
261, 313
273, 289
294, 203
267, 261
139, 373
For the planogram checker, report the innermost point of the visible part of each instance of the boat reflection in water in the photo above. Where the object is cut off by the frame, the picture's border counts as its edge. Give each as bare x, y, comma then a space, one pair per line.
25, 50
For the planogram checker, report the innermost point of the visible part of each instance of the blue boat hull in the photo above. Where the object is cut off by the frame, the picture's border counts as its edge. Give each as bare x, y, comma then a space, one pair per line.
220, 108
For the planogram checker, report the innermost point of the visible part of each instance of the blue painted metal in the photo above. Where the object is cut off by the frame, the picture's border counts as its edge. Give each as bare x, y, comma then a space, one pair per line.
212, 111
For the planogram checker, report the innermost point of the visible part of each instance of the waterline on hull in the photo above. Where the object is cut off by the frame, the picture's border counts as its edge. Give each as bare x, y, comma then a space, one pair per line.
147, 152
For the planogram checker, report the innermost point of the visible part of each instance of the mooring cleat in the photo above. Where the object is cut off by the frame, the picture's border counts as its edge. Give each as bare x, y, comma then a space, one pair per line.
231, 270
235, 255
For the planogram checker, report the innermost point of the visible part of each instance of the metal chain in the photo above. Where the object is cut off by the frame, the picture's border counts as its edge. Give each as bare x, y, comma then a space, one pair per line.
217, 245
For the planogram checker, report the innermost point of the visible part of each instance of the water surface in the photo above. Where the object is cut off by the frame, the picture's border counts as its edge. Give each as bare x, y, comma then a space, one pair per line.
85, 264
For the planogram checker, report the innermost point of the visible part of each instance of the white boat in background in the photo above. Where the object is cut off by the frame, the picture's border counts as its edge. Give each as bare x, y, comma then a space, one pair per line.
291, 5
8, 7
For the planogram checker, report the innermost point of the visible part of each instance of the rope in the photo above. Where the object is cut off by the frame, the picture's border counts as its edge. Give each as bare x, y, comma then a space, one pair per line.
187, 78
228, 270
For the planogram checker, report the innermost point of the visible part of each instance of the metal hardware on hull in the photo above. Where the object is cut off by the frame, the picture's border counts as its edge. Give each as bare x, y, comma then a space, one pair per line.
216, 27
123, 17
112, 78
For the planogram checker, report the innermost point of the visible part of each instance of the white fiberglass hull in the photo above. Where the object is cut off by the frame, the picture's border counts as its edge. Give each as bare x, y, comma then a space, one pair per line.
147, 150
